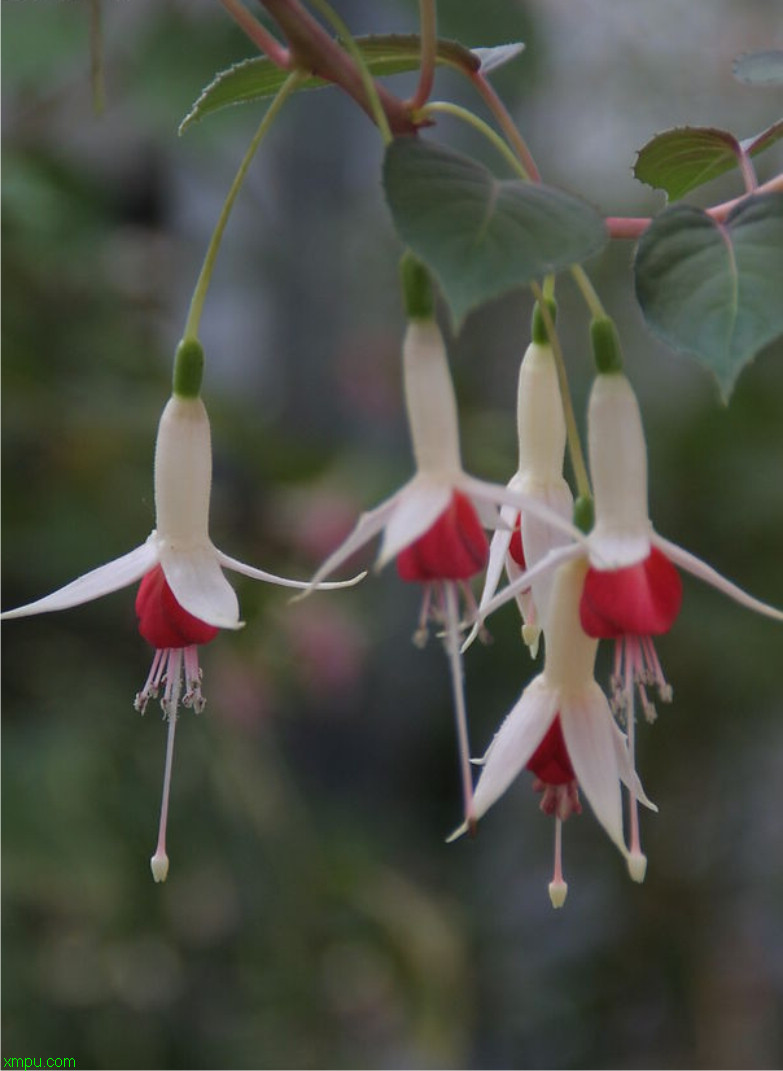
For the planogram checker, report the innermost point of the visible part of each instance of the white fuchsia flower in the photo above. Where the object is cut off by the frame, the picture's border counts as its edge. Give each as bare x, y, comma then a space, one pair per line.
523, 538
632, 590
563, 731
184, 598
434, 524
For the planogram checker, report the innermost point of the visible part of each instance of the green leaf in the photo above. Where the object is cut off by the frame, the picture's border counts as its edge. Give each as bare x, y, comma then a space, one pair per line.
678, 161
759, 68
385, 54
714, 289
479, 235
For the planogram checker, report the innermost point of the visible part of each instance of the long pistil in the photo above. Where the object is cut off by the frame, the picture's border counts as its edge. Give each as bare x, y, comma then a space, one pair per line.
159, 863
452, 644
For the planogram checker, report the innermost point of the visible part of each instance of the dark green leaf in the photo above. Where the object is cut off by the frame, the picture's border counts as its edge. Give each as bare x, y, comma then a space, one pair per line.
759, 68
479, 235
385, 54
713, 289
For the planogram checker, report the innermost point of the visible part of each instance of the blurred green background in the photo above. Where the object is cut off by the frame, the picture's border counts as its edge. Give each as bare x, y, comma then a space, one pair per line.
313, 916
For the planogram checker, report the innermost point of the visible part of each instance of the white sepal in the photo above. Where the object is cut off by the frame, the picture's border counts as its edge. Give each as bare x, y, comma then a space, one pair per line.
271, 578
588, 731
416, 511
515, 742
101, 581
199, 586
365, 529
705, 572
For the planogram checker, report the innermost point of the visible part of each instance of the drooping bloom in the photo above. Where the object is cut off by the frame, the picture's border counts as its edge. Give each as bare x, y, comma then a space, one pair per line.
184, 598
563, 731
632, 590
434, 524
523, 538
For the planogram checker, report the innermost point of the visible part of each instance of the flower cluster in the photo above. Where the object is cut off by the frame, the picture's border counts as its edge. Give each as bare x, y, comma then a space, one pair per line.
620, 583
614, 578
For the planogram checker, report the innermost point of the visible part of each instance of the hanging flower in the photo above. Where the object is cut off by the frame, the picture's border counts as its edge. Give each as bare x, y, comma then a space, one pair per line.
523, 539
632, 590
184, 598
563, 731
434, 524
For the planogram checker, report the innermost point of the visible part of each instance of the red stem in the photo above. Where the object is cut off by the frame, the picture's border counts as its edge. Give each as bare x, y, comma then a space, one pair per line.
634, 227
258, 34
314, 50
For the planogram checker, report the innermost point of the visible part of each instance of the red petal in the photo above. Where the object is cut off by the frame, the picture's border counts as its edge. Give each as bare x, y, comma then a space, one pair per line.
550, 761
642, 600
454, 548
515, 548
162, 621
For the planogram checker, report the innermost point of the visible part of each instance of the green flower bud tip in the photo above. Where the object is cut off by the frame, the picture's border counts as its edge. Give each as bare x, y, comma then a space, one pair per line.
606, 346
538, 330
417, 294
584, 513
188, 369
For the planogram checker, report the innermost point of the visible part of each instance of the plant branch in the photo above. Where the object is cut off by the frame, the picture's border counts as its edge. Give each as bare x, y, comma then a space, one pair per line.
633, 227
258, 34
428, 22
467, 116
506, 123
370, 88
314, 50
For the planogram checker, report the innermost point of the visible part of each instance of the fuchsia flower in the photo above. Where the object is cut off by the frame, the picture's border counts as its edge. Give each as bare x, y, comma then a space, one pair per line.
523, 539
434, 524
563, 731
184, 598
632, 590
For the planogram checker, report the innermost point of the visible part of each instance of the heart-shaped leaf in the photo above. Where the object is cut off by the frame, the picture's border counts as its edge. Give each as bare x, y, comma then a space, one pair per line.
384, 54
481, 236
714, 289
678, 161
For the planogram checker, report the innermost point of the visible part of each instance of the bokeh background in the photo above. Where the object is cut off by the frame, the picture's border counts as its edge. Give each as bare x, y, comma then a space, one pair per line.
313, 916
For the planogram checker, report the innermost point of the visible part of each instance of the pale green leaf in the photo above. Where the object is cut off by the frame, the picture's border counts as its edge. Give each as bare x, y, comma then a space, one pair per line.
714, 289
481, 236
